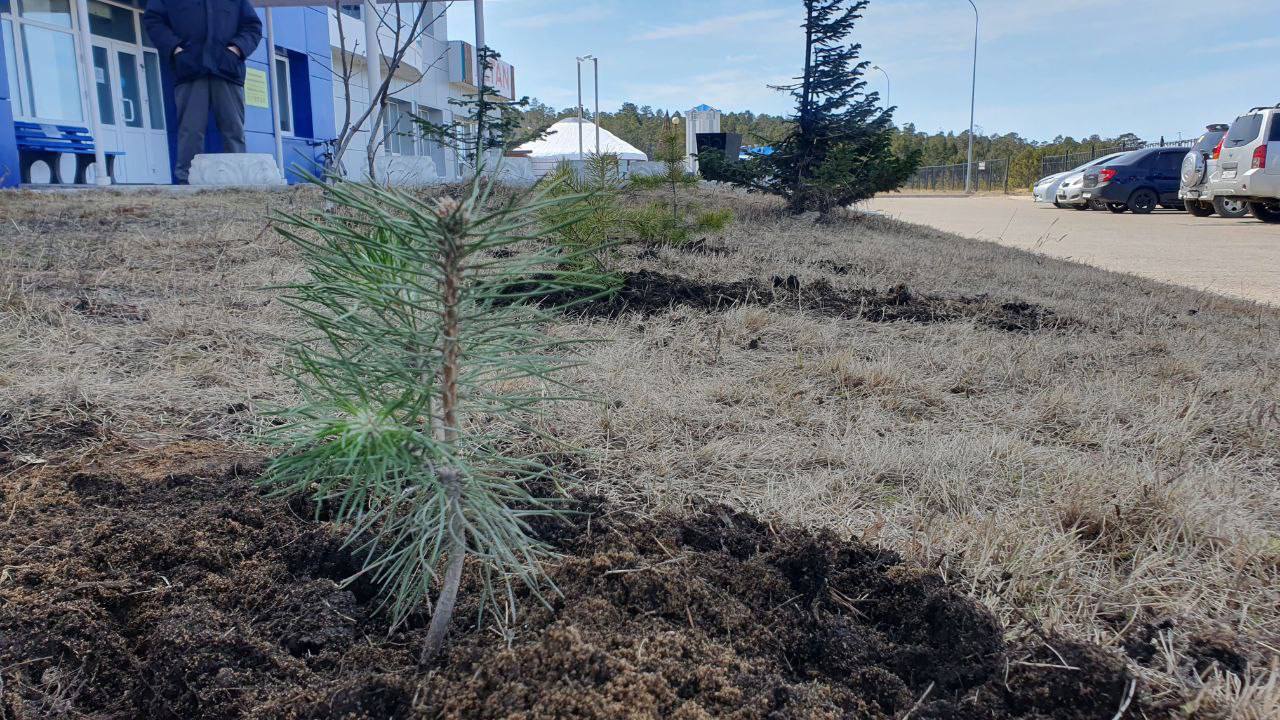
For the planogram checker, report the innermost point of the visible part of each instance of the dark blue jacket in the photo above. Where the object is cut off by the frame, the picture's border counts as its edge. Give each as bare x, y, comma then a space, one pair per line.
203, 29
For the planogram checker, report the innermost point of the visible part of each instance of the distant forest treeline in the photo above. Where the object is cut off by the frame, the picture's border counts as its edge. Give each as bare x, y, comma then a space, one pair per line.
640, 126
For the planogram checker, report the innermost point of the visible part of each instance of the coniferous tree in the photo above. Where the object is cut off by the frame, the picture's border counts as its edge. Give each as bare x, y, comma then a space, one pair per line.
839, 147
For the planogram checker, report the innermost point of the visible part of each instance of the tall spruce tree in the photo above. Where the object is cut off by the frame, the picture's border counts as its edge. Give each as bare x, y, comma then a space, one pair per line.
839, 148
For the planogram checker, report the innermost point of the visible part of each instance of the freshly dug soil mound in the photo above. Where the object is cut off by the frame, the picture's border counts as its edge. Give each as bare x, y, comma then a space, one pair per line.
157, 583
647, 293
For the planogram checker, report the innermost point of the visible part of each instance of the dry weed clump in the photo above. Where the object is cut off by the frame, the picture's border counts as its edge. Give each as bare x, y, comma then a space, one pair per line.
1113, 477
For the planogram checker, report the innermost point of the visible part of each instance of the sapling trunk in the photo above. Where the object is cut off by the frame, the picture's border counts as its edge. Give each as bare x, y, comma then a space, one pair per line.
448, 597
453, 224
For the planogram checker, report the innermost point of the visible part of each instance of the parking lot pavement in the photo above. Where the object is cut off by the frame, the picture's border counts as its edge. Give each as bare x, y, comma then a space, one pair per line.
1232, 257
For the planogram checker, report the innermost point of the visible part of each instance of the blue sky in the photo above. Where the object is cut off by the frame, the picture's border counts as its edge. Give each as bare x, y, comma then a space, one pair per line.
1045, 67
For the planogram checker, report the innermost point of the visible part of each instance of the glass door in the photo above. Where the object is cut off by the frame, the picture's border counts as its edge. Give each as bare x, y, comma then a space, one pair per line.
128, 91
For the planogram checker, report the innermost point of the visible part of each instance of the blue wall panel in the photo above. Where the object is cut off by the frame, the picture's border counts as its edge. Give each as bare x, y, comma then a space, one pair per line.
9, 174
9, 171
304, 34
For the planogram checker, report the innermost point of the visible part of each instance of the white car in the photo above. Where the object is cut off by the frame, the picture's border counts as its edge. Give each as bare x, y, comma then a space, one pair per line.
1071, 187
1046, 189
1249, 163
1200, 164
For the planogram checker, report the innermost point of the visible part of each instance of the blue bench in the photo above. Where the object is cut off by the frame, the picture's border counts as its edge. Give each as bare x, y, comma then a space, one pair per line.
38, 142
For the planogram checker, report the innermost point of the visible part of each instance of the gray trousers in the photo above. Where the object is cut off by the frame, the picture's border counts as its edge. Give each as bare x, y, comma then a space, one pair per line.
195, 100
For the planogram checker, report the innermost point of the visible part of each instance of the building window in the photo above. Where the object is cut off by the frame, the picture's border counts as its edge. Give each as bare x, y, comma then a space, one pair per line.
11, 67
112, 21
400, 136
155, 97
40, 54
53, 12
352, 11
284, 93
53, 74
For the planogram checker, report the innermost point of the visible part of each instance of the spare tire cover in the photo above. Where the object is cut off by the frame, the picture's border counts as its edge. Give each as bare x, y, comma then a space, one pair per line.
1193, 166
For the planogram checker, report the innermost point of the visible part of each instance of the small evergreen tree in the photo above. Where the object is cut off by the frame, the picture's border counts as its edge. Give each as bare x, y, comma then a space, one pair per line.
416, 374
588, 223
839, 148
669, 222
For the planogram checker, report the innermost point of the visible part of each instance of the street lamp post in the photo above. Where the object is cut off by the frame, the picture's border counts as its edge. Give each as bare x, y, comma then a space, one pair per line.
888, 86
973, 97
595, 63
580, 61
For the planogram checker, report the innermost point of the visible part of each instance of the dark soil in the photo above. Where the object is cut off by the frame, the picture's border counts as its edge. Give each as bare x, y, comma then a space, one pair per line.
702, 247
648, 293
157, 583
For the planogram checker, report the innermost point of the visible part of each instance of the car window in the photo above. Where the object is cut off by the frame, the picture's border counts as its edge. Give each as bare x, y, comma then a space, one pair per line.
1275, 128
1138, 157
1208, 141
1244, 130
1144, 159
1171, 160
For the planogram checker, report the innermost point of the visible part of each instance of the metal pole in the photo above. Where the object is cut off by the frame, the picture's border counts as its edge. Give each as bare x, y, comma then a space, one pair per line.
973, 97
596, 63
579, 109
275, 92
481, 71
90, 95
372, 60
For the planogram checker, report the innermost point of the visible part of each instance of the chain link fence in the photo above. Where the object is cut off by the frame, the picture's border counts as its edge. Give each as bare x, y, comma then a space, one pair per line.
988, 176
1054, 164
995, 175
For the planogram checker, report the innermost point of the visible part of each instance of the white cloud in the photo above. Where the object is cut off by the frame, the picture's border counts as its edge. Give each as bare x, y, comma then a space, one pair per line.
711, 26
581, 14
1230, 47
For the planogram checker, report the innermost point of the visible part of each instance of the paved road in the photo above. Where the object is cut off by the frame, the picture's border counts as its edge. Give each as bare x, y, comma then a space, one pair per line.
1233, 257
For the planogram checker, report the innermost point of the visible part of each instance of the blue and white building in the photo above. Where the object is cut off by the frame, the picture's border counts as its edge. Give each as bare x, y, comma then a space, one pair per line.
88, 66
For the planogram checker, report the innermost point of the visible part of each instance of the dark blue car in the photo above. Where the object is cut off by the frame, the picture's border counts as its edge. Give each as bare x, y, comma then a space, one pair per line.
1138, 181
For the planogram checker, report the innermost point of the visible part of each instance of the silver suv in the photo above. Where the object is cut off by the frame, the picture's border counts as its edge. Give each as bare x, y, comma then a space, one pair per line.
1198, 166
1249, 163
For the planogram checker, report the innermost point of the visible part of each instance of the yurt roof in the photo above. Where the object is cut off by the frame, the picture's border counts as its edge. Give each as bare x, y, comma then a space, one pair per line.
561, 143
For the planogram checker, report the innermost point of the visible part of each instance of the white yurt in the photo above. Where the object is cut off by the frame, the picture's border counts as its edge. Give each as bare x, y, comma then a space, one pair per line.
561, 143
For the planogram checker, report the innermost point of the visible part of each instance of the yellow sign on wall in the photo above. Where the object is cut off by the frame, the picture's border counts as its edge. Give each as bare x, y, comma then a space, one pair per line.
255, 88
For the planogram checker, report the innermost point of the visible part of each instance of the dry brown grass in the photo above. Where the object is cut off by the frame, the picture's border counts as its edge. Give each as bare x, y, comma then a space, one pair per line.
1116, 480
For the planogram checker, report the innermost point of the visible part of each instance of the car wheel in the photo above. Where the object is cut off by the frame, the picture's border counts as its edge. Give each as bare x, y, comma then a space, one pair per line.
1096, 204
1230, 207
1266, 212
1198, 209
1142, 201
1117, 208
1057, 204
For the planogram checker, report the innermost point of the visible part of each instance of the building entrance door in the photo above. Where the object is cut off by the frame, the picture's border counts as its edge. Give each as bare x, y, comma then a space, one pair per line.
130, 103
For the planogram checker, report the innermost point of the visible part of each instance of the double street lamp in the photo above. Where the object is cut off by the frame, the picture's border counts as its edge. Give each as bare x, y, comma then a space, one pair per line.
595, 62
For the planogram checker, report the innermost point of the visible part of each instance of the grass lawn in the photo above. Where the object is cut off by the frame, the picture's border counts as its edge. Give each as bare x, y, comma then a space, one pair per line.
1091, 456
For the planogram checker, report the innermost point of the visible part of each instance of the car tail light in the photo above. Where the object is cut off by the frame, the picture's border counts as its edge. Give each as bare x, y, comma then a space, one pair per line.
1106, 175
1260, 157
1217, 149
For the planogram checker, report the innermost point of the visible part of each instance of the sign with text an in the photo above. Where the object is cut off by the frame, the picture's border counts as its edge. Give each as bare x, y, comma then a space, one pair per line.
255, 88
500, 76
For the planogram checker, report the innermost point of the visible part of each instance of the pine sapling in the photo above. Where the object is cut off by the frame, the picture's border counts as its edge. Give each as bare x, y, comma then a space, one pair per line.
418, 379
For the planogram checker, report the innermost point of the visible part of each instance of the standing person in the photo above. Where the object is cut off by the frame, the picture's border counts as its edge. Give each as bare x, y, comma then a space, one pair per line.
206, 42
